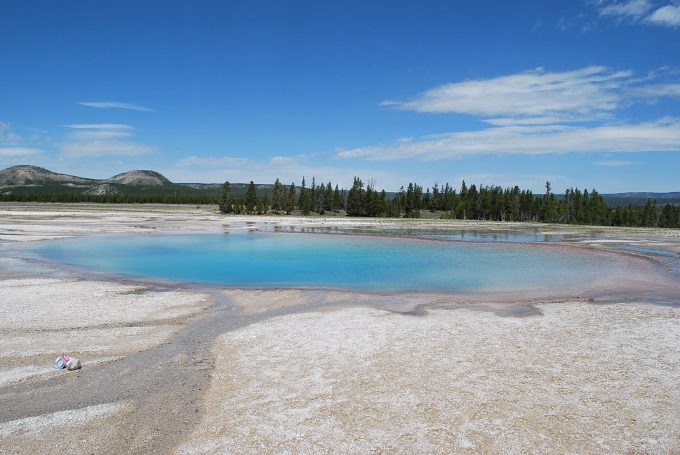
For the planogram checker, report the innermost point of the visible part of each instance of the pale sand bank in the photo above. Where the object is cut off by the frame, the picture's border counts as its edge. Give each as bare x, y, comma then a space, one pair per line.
581, 378
76, 431
96, 321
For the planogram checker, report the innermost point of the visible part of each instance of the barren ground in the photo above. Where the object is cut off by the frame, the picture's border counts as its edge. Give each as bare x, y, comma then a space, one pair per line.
205, 370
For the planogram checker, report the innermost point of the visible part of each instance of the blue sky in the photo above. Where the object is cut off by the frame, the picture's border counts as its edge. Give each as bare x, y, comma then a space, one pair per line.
581, 93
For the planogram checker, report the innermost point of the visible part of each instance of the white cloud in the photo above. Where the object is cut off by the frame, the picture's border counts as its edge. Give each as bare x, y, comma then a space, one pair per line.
668, 15
102, 139
523, 121
12, 147
286, 168
656, 91
616, 163
18, 151
633, 9
530, 96
99, 131
7, 135
224, 162
104, 148
100, 126
660, 136
642, 11
99, 135
115, 105
539, 112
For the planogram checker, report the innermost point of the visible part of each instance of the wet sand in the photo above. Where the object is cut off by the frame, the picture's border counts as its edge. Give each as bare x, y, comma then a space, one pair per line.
208, 370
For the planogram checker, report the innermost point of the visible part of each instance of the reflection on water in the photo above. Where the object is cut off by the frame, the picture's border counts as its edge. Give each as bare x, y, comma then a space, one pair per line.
643, 249
523, 235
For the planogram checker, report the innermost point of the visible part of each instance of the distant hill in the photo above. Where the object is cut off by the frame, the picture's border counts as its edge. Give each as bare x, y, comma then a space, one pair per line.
36, 183
34, 175
140, 178
640, 198
643, 195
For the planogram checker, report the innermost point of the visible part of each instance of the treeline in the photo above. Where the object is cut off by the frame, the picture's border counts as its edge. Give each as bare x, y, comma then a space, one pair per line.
285, 199
168, 198
491, 203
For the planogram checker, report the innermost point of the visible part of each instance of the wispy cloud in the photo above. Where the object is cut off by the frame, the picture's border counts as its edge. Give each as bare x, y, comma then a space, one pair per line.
656, 91
509, 121
13, 147
641, 11
104, 148
17, 152
11, 144
668, 15
224, 162
115, 105
530, 96
539, 112
102, 139
635, 9
99, 126
7, 134
99, 131
616, 163
286, 168
659, 136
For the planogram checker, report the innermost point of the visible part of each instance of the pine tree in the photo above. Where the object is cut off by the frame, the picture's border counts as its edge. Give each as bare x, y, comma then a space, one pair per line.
224, 205
251, 197
303, 193
327, 197
354, 198
278, 196
337, 203
290, 199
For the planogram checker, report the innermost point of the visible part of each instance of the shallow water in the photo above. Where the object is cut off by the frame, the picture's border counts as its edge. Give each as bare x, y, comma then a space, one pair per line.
523, 235
333, 261
657, 251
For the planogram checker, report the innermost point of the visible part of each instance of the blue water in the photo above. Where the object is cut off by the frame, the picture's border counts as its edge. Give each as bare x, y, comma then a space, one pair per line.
304, 260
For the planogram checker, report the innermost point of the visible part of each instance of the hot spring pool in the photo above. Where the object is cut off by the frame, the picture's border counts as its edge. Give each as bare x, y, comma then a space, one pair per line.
334, 261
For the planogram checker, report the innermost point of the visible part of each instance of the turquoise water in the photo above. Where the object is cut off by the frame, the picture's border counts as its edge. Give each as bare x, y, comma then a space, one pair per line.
304, 260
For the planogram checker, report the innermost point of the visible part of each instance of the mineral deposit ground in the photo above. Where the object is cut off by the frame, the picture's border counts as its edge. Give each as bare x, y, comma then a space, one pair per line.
176, 368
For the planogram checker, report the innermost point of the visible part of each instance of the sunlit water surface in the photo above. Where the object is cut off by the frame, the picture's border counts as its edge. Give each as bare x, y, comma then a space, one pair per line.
335, 261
